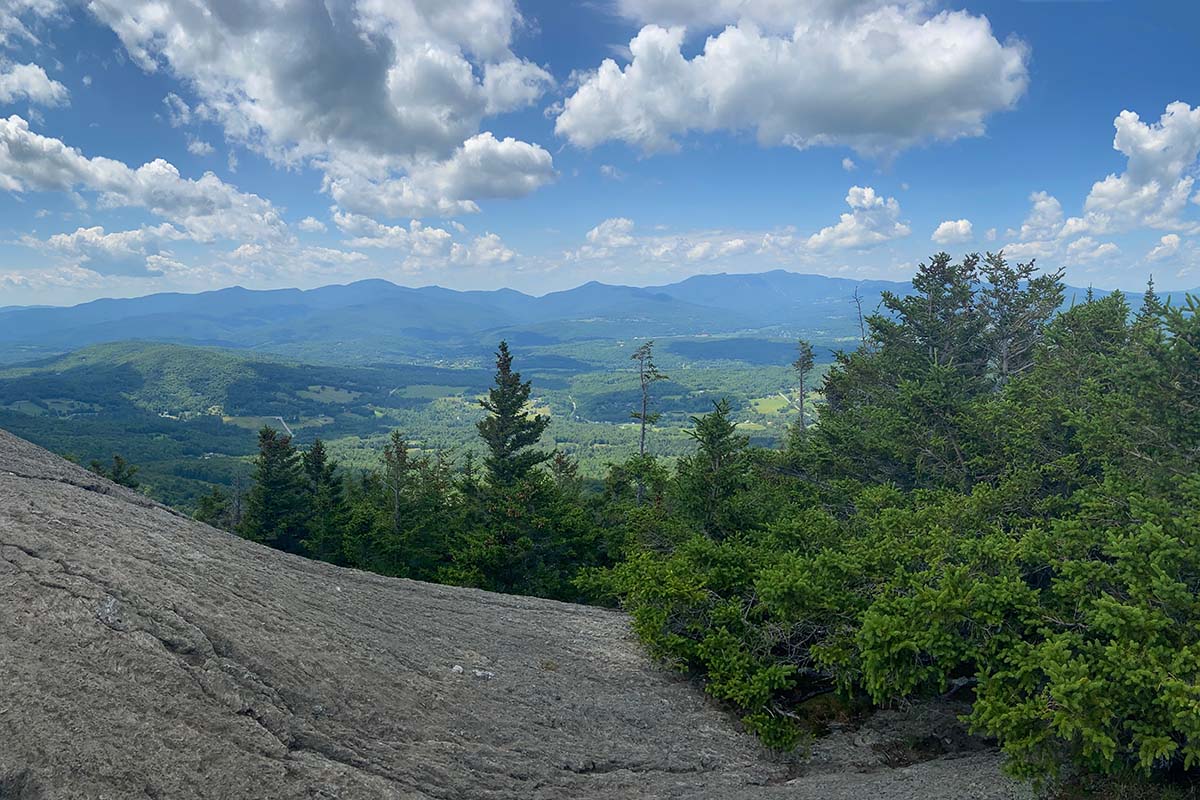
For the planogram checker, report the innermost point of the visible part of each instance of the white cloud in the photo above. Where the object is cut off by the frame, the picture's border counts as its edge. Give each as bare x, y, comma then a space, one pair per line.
953, 232
485, 250
611, 172
311, 225
614, 232
179, 113
30, 82
206, 208
199, 147
872, 220
1045, 217
990, 235
416, 238
1168, 245
864, 80
116, 253
514, 84
848, 164
779, 15
1154, 189
732, 247
483, 167
374, 92
1086, 250
17, 17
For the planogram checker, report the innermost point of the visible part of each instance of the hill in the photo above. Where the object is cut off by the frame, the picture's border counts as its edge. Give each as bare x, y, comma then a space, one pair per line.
187, 416
375, 320
147, 655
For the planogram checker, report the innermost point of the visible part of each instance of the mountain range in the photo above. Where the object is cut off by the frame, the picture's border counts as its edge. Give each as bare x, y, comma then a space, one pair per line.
374, 320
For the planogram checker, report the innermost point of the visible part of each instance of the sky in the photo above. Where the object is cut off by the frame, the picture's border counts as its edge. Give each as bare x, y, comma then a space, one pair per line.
184, 145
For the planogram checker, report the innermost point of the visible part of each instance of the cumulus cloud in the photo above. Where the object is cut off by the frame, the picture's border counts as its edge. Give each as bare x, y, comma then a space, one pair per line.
1086, 250
953, 232
311, 225
116, 253
30, 82
486, 250
848, 164
614, 232
874, 77
872, 220
483, 167
1168, 245
1157, 182
206, 208
416, 238
378, 91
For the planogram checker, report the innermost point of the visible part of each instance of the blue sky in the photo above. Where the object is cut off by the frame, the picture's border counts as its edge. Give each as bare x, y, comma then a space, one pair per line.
162, 145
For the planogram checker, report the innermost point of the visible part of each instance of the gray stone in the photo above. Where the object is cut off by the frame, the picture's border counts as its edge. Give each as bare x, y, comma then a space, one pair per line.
144, 655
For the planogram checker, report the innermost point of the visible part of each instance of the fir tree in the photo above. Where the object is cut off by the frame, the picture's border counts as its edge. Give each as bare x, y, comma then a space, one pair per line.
510, 428
121, 472
326, 505
276, 506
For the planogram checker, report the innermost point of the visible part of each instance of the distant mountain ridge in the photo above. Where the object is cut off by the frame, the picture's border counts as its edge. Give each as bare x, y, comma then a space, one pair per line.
376, 319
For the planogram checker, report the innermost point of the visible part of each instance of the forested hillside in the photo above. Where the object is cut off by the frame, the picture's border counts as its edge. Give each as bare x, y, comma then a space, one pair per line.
187, 416
997, 500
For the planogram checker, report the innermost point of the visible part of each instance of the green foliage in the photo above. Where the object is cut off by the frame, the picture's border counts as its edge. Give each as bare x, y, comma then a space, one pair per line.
995, 496
121, 472
510, 429
276, 506
996, 493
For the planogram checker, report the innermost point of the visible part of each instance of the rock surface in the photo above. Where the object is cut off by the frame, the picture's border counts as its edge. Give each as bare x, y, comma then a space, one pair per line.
144, 655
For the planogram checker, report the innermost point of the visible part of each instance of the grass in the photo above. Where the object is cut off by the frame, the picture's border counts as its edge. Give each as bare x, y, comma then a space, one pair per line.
771, 404
329, 394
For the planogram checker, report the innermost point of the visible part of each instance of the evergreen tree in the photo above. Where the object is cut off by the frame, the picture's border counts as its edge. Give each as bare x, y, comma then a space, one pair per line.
510, 428
711, 480
277, 504
216, 509
803, 365
326, 502
121, 472
648, 375
1017, 304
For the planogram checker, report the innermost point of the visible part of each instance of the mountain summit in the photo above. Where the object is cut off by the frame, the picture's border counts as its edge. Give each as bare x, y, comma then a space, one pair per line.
147, 655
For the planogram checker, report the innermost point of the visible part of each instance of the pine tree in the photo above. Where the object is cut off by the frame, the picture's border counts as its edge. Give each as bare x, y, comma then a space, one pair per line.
276, 506
510, 428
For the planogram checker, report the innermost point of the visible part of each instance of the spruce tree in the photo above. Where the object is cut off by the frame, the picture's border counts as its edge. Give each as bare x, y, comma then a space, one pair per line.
276, 506
122, 472
215, 509
510, 428
326, 505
